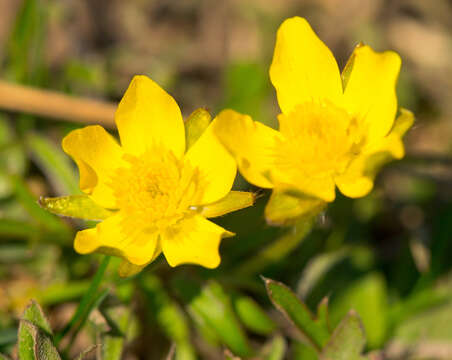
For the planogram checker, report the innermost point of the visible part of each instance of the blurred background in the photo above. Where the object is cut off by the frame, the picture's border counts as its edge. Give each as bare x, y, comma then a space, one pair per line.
387, 255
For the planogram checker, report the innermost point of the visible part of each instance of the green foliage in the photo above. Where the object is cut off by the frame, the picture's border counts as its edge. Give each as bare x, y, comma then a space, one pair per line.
35, 336
90, 300
33, 314
169, 317
212, 309
119, 318
26, 43
347, 341
285, 300
275, 349
368, 297
252, 315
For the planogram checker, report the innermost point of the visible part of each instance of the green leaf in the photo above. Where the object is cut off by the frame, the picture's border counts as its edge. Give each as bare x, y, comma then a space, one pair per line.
368, 296
86, 352
10, 228
4, 357
44, 349
91, 300
252, 315
297, 312
275, 350
54, 164
26, 340
433, 325
34, 344
34, 314
76, 206
348, 340
195, 125
211, 306
302, 351
323, 314
12, 157
35, 335
26, 43
119, 318
168, 315
63, 292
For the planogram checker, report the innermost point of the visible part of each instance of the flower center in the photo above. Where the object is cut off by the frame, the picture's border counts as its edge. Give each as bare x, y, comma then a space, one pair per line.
321, 139
154, 190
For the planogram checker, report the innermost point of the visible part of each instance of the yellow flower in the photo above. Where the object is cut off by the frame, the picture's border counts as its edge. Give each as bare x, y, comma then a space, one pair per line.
152, 193
332, 130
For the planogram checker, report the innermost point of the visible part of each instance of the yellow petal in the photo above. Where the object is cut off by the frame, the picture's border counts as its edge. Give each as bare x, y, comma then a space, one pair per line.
108, 237
303, 68
358, 180
147, 116
233, 201
97, 155
284, 208
217, 168
370, 92
194, 241
252, 144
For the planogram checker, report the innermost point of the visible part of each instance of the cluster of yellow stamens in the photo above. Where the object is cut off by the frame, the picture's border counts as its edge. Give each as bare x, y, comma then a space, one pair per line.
319, 139
155, 190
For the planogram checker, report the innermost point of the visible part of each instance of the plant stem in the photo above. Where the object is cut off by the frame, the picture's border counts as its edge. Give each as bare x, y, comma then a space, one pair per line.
84, 307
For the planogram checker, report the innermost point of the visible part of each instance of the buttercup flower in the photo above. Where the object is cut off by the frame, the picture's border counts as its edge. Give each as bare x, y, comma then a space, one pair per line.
334, 130
155, 190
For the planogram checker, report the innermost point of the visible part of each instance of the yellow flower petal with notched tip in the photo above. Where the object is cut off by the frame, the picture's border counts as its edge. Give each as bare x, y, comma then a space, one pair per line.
358, 180
370, 93
253, 145
97, 155
303, 68
194, 241
148, 116
110, 237
159, 193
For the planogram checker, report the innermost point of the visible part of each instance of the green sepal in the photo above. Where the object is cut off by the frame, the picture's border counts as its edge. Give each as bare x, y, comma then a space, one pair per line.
233, 201
75, 206
347, 71
288, 208
195, 125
